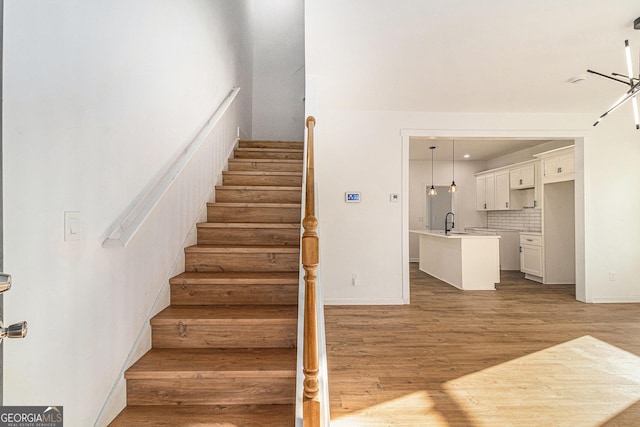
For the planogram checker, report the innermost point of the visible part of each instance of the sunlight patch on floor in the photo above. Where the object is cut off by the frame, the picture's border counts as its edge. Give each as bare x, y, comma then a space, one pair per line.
580, 383
410, 410
583, 382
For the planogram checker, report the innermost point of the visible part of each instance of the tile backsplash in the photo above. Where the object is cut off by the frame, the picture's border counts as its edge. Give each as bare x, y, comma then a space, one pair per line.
525, 220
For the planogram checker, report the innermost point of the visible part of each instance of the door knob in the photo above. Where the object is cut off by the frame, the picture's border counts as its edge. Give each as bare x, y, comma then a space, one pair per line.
17, 330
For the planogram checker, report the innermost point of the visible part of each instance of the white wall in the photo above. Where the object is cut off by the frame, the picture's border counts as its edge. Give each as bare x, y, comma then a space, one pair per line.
278, 66
463, 200
611, 159
99, 97
361, 148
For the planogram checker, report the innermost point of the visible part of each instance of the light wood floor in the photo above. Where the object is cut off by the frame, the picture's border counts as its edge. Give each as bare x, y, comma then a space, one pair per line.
525, 355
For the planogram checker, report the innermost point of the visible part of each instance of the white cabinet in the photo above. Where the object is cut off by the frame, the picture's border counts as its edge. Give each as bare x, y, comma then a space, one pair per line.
509, 241
492, 191
526, 186
531, 256
502, 190
522, 177
558, 165
485, 192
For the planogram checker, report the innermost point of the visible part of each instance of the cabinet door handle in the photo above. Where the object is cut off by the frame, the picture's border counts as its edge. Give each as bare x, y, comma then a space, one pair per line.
520, 181
559, 170
520, 249
529, 240
485, 206
507, 205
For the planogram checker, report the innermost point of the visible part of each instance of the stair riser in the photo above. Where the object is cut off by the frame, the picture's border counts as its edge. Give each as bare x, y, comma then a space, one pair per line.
265, 166
206, 391
257, 154
234, 294
295, 145
248, 236
226, 195
255, 180
253, 214
221, 262
201, 416
255, 334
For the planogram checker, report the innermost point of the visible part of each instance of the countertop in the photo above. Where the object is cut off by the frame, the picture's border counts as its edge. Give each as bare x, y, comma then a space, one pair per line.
452, 234
532, 233
493, 229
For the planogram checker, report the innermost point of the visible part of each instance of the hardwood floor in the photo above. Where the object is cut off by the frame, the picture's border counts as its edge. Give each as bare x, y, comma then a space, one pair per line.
525, 355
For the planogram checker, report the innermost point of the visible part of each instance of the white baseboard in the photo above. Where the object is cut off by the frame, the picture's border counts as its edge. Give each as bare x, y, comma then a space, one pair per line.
364, 301
616, 300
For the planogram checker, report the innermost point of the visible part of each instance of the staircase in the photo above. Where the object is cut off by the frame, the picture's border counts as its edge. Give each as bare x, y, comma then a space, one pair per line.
224, 352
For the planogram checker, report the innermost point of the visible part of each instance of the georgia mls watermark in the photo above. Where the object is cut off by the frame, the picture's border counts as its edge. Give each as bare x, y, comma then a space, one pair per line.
31, 416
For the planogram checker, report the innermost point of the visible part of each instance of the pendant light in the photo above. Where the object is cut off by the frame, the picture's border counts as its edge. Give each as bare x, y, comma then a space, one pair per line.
432, 191
453, 187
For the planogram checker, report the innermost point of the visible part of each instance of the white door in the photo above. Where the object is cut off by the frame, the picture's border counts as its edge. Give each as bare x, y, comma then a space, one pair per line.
17, 330
1, 205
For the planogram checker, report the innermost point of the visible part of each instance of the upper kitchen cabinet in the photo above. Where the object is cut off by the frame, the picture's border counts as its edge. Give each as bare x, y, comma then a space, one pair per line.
558, 165
526, 185
522, 177
502, 191
486, 192
492, 191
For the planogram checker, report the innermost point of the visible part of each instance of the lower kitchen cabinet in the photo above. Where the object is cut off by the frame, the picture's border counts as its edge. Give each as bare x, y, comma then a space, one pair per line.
531, 259
509, 259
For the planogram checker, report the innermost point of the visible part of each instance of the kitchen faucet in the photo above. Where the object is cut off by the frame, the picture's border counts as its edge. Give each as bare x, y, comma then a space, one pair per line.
446, 223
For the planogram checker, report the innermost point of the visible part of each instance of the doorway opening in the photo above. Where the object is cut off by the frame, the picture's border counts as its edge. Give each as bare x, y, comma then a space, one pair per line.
518, 145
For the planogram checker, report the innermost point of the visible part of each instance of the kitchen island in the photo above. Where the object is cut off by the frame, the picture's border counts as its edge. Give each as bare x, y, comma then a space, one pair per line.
466, 261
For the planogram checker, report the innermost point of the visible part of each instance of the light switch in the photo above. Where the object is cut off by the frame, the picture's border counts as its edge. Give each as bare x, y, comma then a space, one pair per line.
71, 226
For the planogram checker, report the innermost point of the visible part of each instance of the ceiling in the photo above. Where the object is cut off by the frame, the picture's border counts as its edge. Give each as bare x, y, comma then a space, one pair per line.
478, 149
474, 56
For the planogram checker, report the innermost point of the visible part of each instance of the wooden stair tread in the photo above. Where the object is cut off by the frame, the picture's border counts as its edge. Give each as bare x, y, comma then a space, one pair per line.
236, 277
286, 225
198, 363
276, 141
255, 205
272, 150
257, 187
206, 416
283, 161
218, 249
211, 314
261, 173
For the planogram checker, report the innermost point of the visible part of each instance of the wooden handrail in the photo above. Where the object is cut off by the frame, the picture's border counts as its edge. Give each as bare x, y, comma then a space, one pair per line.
310, 256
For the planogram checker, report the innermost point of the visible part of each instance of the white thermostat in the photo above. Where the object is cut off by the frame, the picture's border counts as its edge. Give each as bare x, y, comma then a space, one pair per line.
352, 197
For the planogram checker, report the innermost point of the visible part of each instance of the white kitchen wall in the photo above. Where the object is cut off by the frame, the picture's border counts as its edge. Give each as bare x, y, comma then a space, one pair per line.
278, 69
463, 200
98, 98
